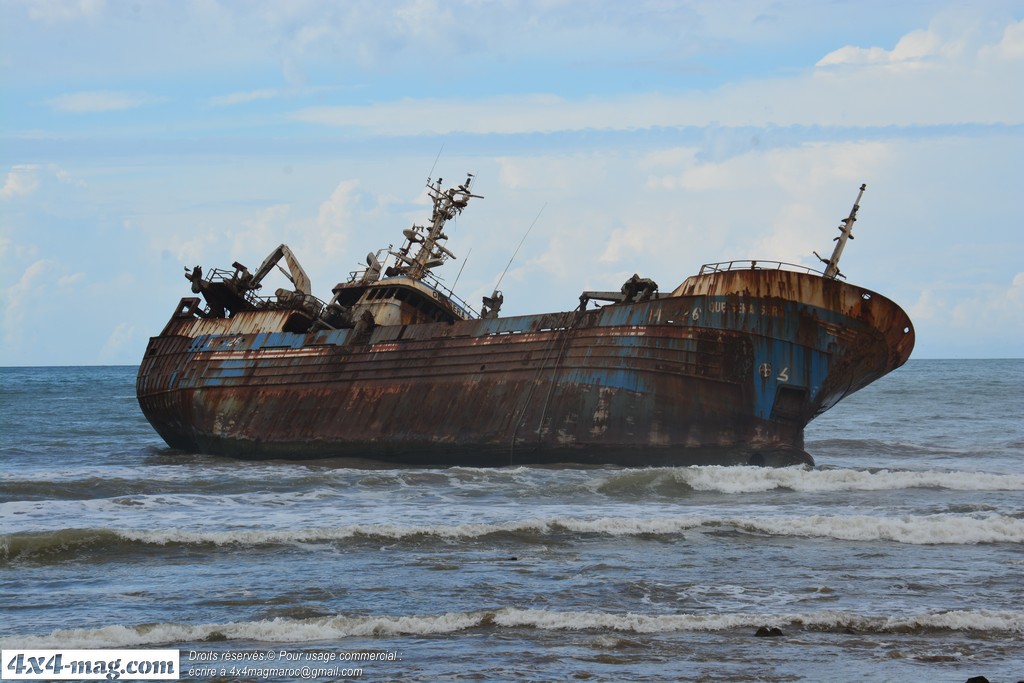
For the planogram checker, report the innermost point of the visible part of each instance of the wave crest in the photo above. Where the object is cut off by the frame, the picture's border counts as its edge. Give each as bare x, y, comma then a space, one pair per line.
759, 479
98, 544
285, 630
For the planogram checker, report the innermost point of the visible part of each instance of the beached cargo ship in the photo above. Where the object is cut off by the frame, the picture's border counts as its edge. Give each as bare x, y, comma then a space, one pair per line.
727, 368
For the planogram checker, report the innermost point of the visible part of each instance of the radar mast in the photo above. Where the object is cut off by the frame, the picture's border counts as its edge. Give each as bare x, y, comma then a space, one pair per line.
430, 251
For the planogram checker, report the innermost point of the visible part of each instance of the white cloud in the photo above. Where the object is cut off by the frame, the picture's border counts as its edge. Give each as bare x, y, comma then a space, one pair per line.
261, 233
609, 213
235, 98
1016, 291
26, 179
967, 317
761, 167
336, 212
1010, 47
66, 177
102, 101
947, 74
191, 249
118, 343
798, 170
915, 47
336, 218
20, 300
21, 180
73, 280
626, 244
822, 99
63, 10
28, 279
953, 39
317, 238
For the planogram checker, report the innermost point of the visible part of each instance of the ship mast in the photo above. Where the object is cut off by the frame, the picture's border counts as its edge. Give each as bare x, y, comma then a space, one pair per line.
845, 233
431, 253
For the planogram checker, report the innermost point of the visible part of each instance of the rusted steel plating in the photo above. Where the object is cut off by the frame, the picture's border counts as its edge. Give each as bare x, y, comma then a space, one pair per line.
728, 368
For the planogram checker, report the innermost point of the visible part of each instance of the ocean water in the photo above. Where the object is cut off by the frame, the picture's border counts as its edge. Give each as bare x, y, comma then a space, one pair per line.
899, 557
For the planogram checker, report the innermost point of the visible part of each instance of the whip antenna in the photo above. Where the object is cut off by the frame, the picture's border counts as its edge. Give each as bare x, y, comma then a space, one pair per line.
492, 303
431, 174
464, 261
520, 246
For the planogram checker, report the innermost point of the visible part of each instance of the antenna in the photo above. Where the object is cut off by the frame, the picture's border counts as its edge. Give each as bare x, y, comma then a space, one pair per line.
431, 174
520, 246
461, 268
492, 303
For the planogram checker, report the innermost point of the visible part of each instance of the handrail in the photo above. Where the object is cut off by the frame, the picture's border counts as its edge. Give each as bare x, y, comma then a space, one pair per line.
467, 312
432, 281
271, 302
220, 274
752, 264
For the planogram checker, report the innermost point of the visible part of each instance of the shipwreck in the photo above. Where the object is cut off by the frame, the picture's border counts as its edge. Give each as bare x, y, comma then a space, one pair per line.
396, 369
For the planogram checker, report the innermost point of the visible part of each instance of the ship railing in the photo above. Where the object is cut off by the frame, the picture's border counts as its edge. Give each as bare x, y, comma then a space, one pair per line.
464, 309
221, 274
308, 302
751, 264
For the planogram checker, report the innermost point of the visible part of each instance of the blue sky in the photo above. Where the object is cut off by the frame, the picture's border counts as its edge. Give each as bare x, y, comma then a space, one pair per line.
137, 138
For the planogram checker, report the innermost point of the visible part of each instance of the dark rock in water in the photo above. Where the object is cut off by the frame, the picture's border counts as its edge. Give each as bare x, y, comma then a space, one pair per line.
768, 632
977, 679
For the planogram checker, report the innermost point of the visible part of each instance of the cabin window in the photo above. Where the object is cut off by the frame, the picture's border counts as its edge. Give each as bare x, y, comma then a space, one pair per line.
347, 298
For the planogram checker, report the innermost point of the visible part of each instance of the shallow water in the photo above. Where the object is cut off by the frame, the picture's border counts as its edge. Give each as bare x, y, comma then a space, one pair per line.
898, 557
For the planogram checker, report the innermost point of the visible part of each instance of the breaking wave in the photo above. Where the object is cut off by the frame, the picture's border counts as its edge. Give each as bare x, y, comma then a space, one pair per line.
72, 544
520, 483
757, 479
286, 630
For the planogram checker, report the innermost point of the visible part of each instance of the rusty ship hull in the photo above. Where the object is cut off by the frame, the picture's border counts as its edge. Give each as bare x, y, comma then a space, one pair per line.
727, 370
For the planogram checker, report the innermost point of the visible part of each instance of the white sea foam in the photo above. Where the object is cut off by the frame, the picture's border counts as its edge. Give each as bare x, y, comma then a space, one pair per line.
282, 630
915, 529
757, 479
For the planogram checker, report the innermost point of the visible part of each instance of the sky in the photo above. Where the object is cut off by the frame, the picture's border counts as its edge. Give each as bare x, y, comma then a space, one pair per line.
139, 138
